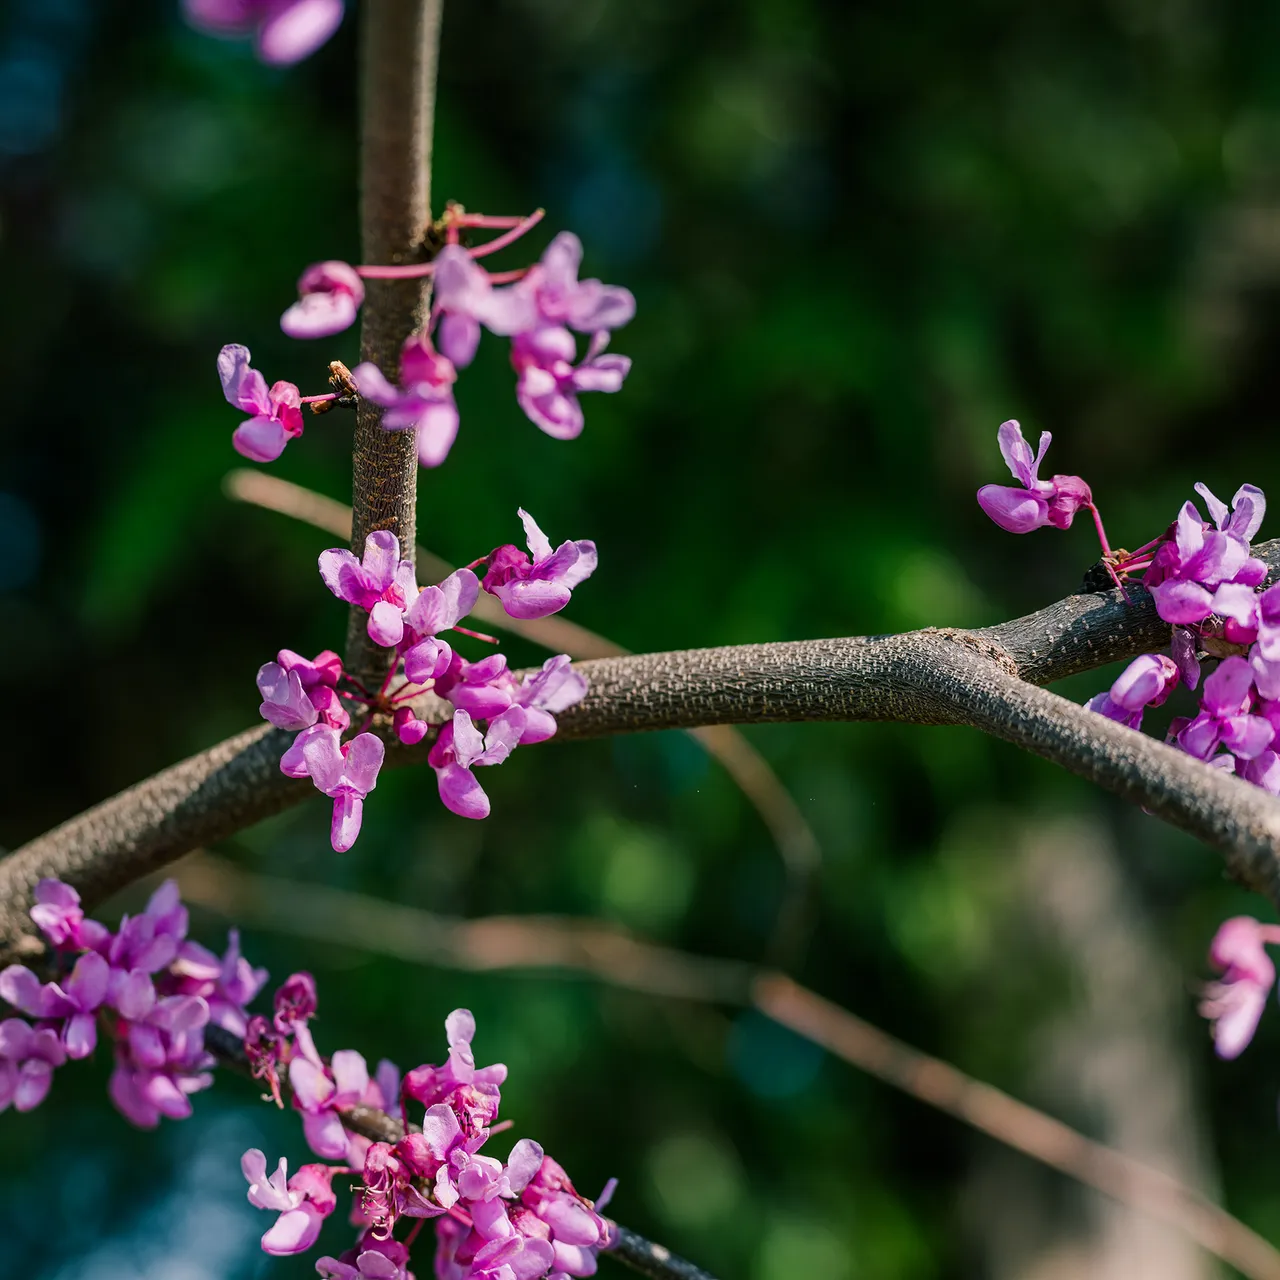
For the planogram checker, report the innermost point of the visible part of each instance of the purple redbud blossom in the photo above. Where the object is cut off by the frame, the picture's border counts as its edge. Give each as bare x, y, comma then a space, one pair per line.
226, 984
58, 915
143, 1096
1200, 571
461, 748
549, 383
534, 589
320, 1092
465, 299
150, 941
284, 701
423, 403
1146, 682
347, 772
1225, 718
436, 609
1268, 646
77, 1001
577, 1231
329, 295
27, 1058
560, 298
1183, 648
471, 1093
481, 689
545, 693
1039, 502
285, 31
277, 414
382, 583
1235, 1003
371, 1259
408, 728
303, 1201
298, 691
294, 1002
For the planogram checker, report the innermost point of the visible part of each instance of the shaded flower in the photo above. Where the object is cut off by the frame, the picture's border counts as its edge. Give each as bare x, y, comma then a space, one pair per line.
320, 1092
541, 586
226, 984
461, 747
277, 414
329, 295
545, 693
1146, 682
285, 31
58, 915
560, 298
423, 403
1039, 502
27, 1059
1235, 1003
482, 689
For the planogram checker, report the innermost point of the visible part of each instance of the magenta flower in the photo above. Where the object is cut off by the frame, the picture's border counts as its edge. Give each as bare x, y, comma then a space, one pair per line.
371, 1259
344, 771
285, 31
1225, 718
382, 583
423, 403
320, 1092
468, 1092
329, 295
150, 941
436, 609
577, 1231
466, 299
143, 1096
534, 589
294, 1003
296, 691
560, 298
482, 689
461, 748
226, 984
1039, 502
277, 414
1200, 571
545, 693
27, 1059
1235, 1004
1146, 682
549, 383
58, 915
77, 1001
303, 1201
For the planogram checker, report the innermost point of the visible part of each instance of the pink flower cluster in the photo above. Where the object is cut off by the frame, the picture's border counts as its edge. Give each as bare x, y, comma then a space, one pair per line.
148, 986
303, 695
520, 1219
540, 313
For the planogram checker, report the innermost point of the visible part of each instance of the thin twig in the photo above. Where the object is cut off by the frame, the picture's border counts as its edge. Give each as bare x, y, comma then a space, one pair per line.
600, 951
792, 835
628, 1247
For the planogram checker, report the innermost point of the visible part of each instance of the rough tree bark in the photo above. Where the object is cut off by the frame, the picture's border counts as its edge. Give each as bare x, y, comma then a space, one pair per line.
984, 679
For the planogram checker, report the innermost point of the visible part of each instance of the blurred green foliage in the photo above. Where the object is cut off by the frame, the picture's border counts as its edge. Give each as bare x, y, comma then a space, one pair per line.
860, 237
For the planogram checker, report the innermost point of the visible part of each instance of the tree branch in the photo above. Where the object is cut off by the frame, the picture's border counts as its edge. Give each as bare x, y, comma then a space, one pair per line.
398, 86
984, 679
631, 1249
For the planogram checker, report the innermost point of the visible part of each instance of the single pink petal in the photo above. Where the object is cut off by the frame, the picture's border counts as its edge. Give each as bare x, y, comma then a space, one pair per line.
374, 386
347, 819
524, 1161
243, 386
324, 1134
260, 439
295, 1231
1014, 510
351, 1075
461, 793
532, 599
437, 429
34, 1079
381, 558
1182, 602
538, 543
386, 625
80, 1035
320, 315
336, 567
365, 754
296, 29
22, 989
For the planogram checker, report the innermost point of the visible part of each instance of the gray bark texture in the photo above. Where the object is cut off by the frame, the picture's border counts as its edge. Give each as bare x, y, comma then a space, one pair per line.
987, 679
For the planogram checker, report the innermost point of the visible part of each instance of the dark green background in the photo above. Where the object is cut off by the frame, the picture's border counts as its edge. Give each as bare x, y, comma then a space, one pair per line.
860, 236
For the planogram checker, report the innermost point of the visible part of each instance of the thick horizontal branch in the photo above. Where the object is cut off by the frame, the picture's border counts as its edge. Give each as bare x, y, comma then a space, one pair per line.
630, 1248
984, 679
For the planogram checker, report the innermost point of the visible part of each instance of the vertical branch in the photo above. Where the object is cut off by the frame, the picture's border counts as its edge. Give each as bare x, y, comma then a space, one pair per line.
400, 41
